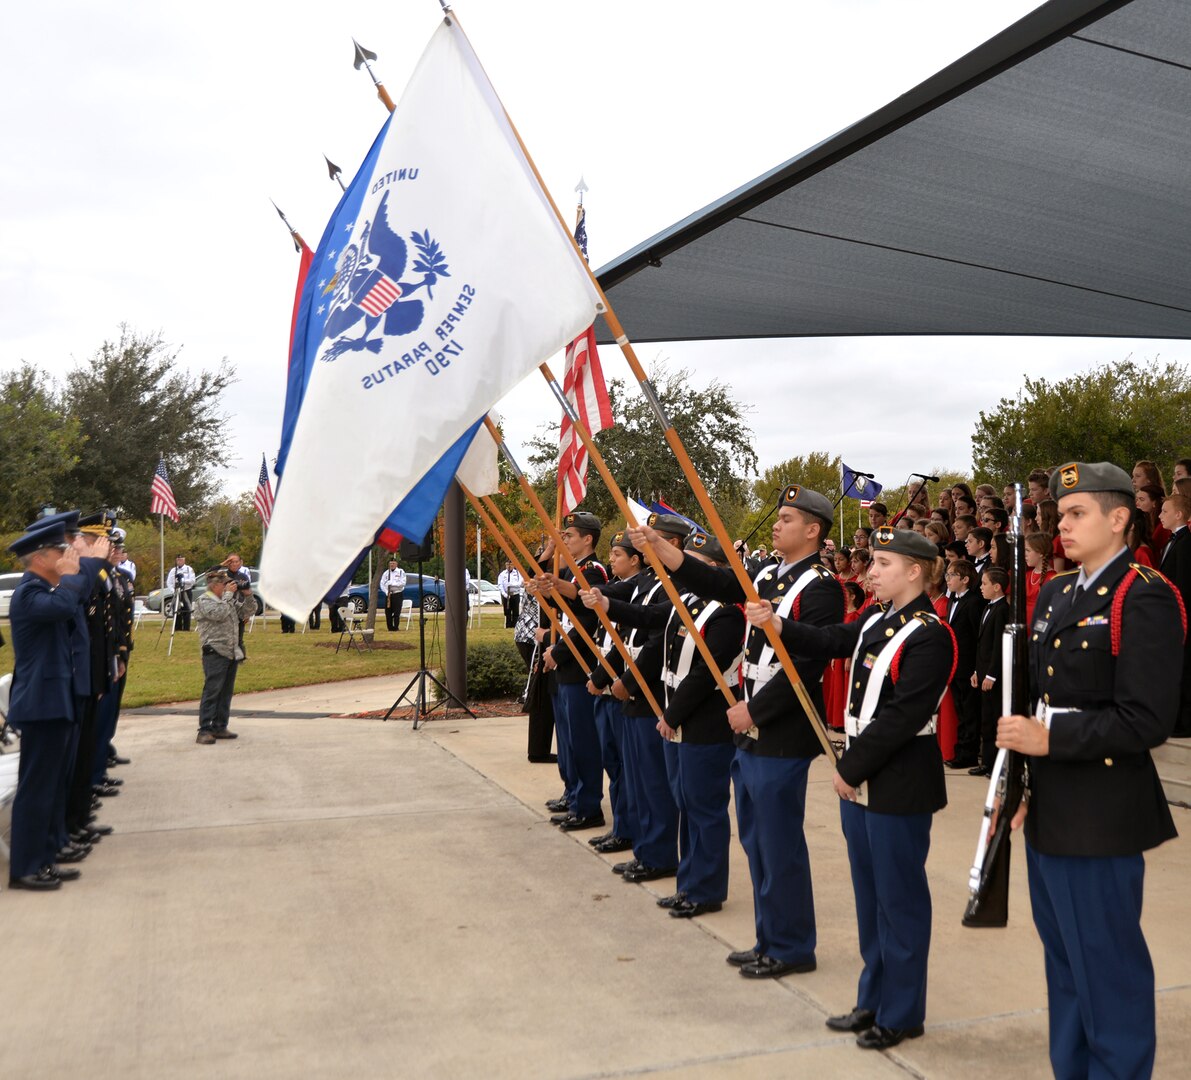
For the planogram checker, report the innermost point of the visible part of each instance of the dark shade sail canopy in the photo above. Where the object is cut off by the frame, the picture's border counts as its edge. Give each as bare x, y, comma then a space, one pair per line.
1039, 185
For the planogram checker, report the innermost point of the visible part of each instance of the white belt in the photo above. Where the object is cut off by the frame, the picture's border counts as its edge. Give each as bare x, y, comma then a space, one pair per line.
855, 727
673, 681
1046, 712
634, 651
761, 672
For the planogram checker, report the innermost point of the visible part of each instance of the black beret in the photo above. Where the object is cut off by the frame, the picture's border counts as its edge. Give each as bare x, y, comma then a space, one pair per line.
706, 544
622, 541
669, 525
581, 519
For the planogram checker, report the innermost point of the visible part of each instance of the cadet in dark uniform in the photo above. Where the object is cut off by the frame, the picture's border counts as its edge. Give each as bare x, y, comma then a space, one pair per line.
659, 844
49, 679
890, 777
625, 562
124, 600
1105, 652
574, 713
769, 772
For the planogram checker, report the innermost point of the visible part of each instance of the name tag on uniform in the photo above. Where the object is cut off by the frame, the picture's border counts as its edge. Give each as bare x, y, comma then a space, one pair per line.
682, 631
1039, 625
869, 660
1093, 620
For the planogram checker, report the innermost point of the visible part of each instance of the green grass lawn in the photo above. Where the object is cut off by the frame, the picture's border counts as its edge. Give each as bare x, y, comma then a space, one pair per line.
277, 660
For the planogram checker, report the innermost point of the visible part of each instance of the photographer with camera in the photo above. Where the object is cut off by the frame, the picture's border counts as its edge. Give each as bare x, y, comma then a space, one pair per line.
181, 580
220, 612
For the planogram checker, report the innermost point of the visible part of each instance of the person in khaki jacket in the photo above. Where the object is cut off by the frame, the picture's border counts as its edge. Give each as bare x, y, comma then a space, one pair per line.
219, 613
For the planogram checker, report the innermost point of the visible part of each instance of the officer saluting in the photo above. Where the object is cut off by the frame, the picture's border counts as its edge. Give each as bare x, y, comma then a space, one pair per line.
903, 656
1105, 652
769, 772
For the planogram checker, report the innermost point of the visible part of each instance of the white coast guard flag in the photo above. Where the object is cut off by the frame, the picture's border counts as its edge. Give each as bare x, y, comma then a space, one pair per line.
443, 278
479, 471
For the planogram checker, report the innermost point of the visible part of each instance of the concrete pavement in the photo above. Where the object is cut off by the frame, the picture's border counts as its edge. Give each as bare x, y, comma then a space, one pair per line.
343, 897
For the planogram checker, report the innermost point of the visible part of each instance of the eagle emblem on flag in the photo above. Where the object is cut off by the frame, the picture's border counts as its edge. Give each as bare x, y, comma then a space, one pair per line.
368, 286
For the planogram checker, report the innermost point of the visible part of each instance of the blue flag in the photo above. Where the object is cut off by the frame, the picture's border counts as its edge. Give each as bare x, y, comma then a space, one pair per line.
857, 486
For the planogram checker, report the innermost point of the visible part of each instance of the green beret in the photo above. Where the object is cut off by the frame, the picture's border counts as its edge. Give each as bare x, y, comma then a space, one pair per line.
809, 501
903, 542
1082, 476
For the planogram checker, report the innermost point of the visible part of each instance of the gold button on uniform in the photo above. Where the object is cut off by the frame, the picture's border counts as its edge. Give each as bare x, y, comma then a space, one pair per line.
858, 686
1050, 671
1058, 642
1108, 762
889, 632
1046, 698
1083, 644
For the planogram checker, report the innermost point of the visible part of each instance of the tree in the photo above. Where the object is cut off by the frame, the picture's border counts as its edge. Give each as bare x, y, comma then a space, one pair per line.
38, 445
133, 402
711, 425
1120, 412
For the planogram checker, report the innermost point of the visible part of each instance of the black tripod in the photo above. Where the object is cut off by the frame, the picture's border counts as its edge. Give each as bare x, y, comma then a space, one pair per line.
422, 675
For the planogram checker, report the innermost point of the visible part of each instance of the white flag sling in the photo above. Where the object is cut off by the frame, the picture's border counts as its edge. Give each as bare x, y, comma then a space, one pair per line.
444, 279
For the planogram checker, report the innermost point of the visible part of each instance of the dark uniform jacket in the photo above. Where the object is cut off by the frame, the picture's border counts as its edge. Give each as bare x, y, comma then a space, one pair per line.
784, 728
125, 595
645, 635
50, 647
696, 707
988, 645
1176, 563
965, 625
1098, 793
100, 611
568, 670
903, 770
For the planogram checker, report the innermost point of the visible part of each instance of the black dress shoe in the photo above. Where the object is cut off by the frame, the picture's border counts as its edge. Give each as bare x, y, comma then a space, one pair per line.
42, 881
769, 967
558, 819
687, 910
857, 1020
116, 759
980, 770
595, 840
649, 873
745, 956
672, 901
99, 830
578, 824
223, 733
101, 792
72, 854
613, 845
557, 806
544, 759
960, 763
625, 867
882, 1038
65, 873
111, 781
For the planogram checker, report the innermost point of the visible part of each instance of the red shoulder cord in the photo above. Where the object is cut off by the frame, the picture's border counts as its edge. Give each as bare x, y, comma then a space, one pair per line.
1118, 605
797, 608
896, 667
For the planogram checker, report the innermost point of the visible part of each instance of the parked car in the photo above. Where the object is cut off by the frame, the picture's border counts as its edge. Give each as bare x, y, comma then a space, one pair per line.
8, 584
163, 599
484, 591
431, 596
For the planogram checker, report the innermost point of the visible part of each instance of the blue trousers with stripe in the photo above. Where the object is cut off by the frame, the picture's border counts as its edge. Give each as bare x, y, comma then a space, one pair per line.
610, 721
39, 806
674, 779
887, 854
587, 792
770, 808
562, 735
1099, 977
704, 788
656, 842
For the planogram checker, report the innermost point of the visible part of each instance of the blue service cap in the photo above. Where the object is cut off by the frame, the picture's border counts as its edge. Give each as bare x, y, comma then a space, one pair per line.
69, 518
39, 536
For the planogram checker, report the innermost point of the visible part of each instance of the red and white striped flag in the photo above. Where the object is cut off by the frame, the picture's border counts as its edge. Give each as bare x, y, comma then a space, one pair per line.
262, 498
583, 384
161, 500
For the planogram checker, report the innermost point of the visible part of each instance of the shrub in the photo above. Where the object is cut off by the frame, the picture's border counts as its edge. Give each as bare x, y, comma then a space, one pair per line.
493, 671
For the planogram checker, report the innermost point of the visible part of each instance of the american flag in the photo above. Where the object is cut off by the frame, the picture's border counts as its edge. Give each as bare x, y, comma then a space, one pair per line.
583, 384
162, 495
262, 498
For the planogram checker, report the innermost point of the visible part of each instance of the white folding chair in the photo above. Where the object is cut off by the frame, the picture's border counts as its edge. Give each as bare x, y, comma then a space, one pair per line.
353, 627
138, 613
407, 612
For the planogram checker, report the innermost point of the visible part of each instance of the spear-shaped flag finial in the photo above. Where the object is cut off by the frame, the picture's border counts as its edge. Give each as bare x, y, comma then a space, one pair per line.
335, 172
292, 231
581, 187
362, 57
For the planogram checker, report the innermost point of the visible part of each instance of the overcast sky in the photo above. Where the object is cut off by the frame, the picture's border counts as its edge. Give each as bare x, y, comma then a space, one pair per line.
143, 141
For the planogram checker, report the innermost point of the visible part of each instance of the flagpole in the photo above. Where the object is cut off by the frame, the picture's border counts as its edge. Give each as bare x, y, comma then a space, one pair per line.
507, 548
580, 578
493, 512
679, 450
361, 60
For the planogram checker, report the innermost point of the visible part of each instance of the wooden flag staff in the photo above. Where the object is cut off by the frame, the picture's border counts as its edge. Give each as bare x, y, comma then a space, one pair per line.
597, 459
511, 555
580, 580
